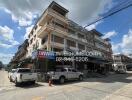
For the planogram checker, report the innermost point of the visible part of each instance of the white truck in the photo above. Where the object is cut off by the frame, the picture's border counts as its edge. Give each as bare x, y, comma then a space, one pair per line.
24, 75
63, 74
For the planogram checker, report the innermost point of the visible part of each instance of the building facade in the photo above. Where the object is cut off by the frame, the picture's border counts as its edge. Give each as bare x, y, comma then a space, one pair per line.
120, 59
20, 55
55, 32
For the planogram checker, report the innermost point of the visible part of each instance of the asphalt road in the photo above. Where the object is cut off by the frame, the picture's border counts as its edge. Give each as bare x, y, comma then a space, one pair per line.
113, 87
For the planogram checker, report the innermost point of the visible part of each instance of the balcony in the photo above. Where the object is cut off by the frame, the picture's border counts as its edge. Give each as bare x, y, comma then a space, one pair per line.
49, 13
48, 27
58, 45
74, 36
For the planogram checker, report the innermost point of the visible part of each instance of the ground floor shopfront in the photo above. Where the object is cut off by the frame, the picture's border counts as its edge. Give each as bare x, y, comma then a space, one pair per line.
86, 64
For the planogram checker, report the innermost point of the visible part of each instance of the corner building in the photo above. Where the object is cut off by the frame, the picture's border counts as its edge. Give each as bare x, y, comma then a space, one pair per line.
55, 32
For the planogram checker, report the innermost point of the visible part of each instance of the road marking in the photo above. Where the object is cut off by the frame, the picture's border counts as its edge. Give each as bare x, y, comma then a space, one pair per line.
39, 98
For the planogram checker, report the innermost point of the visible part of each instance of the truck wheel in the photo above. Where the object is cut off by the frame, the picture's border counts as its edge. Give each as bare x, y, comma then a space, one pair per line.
62, 80
80, 78
16, 82
10, 79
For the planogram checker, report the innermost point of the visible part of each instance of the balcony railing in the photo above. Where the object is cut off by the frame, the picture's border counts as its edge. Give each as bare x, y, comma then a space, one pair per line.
53, 27
77, 38
55, 14
56, 44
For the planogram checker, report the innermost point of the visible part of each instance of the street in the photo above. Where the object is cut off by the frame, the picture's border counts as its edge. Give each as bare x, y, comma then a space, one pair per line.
113, 87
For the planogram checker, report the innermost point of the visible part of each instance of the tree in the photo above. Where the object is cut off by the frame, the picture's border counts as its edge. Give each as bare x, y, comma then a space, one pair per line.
1, 64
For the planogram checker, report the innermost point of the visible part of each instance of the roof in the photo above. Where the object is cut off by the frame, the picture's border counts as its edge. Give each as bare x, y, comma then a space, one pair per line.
97, 32
108, 39
76, 26
53, 3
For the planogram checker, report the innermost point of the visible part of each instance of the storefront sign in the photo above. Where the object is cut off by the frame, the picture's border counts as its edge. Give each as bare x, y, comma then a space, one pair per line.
65, 56
46, 54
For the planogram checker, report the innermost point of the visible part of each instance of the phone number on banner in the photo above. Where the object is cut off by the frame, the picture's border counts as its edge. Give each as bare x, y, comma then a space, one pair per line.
78, 59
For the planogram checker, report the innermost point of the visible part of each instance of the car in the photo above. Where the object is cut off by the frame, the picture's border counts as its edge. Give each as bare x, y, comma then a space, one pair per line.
24, 75
10, 73
62, 74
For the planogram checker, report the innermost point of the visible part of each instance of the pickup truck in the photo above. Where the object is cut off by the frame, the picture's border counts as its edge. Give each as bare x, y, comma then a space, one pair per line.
24, 75
63, 74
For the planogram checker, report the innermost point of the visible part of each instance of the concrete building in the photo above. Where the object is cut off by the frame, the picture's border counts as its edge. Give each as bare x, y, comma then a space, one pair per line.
20, 55
54, 31
122, 60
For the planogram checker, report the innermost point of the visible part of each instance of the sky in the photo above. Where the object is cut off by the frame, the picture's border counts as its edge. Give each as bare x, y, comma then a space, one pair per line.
17, 18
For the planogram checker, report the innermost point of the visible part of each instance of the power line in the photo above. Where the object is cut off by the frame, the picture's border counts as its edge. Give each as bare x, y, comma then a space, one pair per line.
117, 7
112, 13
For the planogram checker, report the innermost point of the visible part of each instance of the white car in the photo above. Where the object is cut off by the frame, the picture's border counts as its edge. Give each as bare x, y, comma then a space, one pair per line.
24, 75
10, 74
63, 74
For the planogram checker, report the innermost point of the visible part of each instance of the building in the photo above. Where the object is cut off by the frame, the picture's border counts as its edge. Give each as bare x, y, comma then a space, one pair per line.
122, 60
55, 32
20, 55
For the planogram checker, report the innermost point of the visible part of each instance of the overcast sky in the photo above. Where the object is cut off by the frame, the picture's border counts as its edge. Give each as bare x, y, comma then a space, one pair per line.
17, 18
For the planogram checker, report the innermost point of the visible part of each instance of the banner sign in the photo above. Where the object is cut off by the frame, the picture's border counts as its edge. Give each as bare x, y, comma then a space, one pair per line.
46, 54
65, 56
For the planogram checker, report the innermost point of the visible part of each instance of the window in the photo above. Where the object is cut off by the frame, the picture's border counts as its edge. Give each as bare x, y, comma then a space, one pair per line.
31, 41
31, 32
64, 70
58, 24
71, 43
34, 37
44, 40
81, 47
24, 71
69, 70
73, 70
71, 31
57, 39
80, 36
57, 49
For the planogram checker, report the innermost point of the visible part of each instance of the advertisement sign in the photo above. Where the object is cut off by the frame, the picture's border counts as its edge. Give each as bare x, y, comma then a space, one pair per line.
46, 54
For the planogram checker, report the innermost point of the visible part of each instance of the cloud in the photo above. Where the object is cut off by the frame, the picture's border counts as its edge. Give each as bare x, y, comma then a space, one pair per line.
5, 58
6, 32
28, 29
127, 42
86, 11
109, 34
5, 45
125, 46
93, 26
7, 36
23, 22
81, 12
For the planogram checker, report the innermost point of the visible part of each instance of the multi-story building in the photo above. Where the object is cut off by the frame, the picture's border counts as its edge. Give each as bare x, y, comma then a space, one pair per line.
20, 55
55, 32
121, 59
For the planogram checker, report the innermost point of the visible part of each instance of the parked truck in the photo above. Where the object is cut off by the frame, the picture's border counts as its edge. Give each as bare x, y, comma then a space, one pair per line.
62, 74
24, 75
